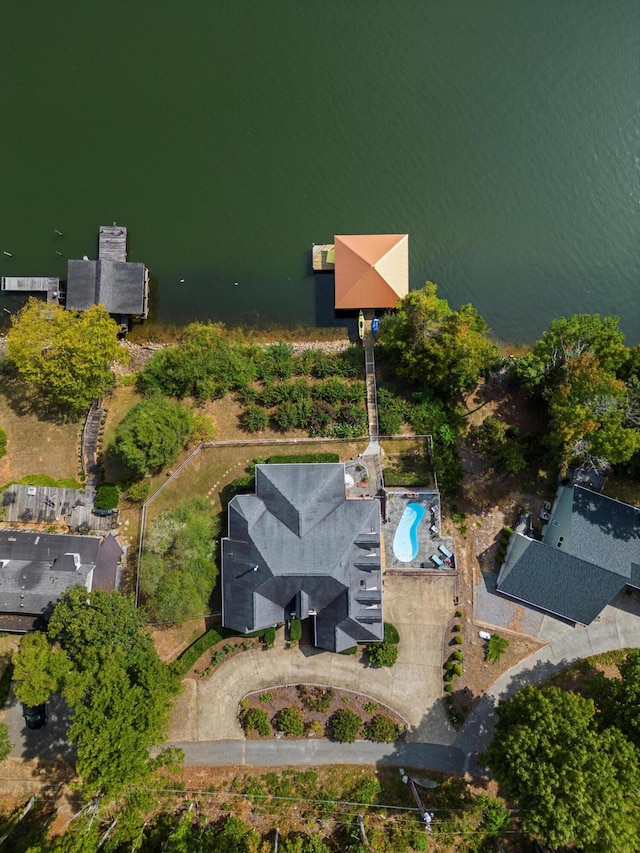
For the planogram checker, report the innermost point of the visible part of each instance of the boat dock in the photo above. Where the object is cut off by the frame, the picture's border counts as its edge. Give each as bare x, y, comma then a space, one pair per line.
30, 284
112, 243
323, 257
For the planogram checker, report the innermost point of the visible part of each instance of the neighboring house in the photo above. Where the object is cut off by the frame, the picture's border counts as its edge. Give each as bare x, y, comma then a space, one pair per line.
121, 286
37, 568
590, 553
299, 548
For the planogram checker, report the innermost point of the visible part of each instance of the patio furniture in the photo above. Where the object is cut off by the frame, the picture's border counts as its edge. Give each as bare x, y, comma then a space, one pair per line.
445, 551
436, 559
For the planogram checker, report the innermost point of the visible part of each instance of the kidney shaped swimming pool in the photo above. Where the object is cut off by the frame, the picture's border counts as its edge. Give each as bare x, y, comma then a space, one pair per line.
405, 542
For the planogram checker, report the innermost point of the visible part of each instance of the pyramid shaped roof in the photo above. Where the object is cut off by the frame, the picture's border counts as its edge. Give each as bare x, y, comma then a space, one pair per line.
372, 270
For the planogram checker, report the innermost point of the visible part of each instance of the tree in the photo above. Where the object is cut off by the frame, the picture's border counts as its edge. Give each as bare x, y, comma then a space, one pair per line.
618, 699
117, 687
576, 785
66, 356
151, 435
38, 669
345, 726
432, 345
382, 654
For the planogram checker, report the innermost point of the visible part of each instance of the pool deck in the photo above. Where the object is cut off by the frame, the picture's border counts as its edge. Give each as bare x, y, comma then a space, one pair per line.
429, 538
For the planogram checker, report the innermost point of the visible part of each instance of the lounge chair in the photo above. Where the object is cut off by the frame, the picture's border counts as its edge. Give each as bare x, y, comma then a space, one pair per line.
435, 559
445, 551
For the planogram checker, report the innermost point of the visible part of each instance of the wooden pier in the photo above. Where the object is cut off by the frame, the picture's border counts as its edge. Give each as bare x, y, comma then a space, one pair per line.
112, 243
30, 284
324, 257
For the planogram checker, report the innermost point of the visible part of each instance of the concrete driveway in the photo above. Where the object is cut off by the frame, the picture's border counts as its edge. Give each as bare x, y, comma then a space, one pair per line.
48, 742
419, 607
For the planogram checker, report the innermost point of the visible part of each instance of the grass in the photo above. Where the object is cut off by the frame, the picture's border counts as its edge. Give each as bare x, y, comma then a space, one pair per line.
39, 446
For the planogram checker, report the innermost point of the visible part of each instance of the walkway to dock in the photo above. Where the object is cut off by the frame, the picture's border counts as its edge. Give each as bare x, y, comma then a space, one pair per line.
32, 284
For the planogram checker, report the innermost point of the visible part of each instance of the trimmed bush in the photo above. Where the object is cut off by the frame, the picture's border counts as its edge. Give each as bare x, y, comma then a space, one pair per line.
266, 697
269, 636
107, 496
459, 614
391, 634
317, 699
344, 726
457, 640
456, 669
457, 628
256, 718
449, 689
457, 655
183, 664
296, 458
382, 729
296, 630
289, 720
382, 654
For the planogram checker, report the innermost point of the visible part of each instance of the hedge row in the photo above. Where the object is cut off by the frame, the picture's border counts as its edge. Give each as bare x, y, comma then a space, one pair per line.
183, 664
296, 458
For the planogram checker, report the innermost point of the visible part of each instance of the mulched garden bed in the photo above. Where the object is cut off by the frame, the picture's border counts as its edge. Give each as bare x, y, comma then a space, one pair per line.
317, 703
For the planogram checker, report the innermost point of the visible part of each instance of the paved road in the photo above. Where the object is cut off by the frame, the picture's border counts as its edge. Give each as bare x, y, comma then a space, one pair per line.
618, 627
274, 753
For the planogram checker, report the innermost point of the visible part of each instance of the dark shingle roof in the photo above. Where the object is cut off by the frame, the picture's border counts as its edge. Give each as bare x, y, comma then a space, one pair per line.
591, 550
118, 285
297, 543
36, 568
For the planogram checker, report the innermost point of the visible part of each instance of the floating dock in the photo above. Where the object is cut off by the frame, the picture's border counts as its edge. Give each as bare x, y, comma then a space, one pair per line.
30, 284
324, 257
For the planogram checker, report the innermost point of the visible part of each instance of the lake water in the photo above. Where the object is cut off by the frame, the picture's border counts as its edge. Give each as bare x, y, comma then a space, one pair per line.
229, 136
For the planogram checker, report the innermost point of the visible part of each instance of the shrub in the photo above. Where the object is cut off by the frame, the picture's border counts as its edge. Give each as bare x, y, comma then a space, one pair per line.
382, 654
3, 442
367, 791
457, 640
457, 655
107, 496
138, 492
183, 664
391, 634
289, 720
382, 729
496, 647
269, 636
457, 628
318, 699
344, 726
456, 669
295, 458
448, 676
315, 729
295, 632
254, 418
459, 614
256, 718
266, 697
218, 657
371, 707
449, 689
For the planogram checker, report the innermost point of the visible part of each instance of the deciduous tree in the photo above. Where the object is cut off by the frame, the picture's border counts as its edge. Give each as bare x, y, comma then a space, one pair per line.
66, 356
577, 785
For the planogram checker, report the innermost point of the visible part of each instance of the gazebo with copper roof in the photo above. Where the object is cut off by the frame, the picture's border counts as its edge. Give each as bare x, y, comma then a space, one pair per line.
371, 270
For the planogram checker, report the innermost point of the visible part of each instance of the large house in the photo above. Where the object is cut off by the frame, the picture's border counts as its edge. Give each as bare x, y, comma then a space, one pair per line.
589, 554
37, 568
299, 548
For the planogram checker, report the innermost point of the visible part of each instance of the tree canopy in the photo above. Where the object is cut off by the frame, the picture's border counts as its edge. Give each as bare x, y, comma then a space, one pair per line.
577, 785
151, 435
65, 356
432, 345
98, 654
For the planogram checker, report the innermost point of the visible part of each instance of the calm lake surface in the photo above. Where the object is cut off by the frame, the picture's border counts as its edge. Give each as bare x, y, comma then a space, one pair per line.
504, 137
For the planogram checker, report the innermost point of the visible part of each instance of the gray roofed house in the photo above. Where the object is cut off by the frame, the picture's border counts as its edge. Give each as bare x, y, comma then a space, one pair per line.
297, 548
121, 286
590, 552
37, 568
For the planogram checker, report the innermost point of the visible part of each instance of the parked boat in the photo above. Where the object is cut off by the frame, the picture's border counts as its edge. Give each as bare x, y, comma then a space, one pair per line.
361, 324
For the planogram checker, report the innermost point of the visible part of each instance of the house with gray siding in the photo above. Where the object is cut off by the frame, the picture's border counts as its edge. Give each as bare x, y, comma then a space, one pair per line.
589, 554
299, 548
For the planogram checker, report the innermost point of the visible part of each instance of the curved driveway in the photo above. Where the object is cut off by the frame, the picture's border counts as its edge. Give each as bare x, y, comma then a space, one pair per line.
418, 607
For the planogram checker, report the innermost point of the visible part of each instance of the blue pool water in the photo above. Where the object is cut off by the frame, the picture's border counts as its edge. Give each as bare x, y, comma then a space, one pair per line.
405, 542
